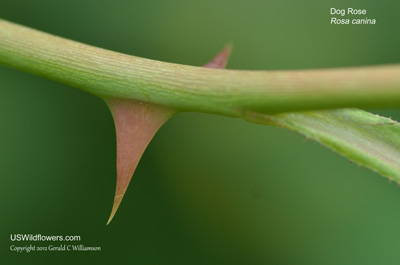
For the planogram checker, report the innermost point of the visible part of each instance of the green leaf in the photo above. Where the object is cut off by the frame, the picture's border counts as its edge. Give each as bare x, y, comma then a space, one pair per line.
367, 139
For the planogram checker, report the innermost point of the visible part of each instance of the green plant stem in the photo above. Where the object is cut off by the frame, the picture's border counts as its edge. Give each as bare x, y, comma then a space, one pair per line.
187, 88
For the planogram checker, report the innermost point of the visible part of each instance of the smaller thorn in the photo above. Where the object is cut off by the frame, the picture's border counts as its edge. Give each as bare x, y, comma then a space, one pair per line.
221, 59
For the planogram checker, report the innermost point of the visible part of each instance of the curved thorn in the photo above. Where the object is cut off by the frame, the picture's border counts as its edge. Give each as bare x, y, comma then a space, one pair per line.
136, 122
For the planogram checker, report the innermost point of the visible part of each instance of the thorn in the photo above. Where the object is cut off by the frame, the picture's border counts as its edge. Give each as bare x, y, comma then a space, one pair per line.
136, 123
221, 59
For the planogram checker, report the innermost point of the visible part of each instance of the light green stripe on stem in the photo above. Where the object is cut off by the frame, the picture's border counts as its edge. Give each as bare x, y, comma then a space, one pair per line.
188, 88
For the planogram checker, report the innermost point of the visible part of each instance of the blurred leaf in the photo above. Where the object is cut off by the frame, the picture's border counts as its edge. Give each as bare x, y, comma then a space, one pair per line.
367, 139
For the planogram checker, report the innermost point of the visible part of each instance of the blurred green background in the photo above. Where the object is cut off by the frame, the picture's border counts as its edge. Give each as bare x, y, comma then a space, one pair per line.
209, 189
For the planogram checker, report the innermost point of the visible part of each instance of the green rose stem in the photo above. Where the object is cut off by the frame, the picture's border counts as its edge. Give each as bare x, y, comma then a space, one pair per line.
142, 94
188, 88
